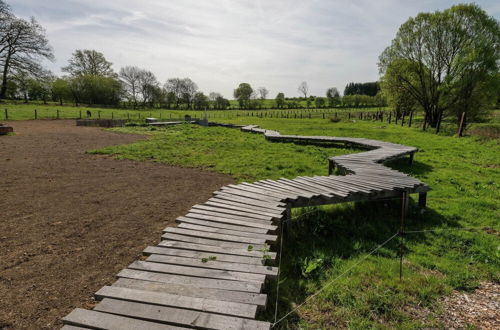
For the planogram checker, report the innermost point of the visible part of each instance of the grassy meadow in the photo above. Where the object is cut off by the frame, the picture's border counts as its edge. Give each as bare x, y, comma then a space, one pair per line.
459, 248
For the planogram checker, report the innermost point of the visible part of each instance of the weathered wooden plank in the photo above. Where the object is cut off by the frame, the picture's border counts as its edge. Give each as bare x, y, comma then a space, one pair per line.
197, 272
194, 291
177, 316
201, 254
266, 238
215, 236
214, 264
221, 225
247, 223
249, 202
97, 320
249, 199
190, 281
232, 212
213, 242
256, 196
172, 300
230, 216
72, 327
276, 211
216, 249
244, 207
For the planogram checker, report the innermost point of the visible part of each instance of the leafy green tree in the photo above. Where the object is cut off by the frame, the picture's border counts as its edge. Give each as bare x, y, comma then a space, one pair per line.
319, 102
280, 100
89, 62
200, 101
243, 94
333, 96
60, 90
449, 57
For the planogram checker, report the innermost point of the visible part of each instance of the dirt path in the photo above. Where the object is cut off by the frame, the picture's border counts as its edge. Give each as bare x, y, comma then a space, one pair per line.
69, 221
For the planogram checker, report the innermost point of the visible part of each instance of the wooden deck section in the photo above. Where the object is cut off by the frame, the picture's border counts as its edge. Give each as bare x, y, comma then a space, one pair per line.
209, 271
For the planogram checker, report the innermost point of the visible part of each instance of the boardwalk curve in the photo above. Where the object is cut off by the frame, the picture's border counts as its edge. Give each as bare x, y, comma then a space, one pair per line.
209, 271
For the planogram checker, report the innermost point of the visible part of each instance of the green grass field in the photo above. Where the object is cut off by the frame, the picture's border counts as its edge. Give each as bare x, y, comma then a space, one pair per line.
325, 242
22, 111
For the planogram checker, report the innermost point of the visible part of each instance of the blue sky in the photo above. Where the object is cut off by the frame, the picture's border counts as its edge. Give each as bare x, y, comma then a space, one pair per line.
220, 43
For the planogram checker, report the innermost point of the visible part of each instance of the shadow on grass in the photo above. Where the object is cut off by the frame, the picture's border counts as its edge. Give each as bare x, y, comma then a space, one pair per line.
326, 237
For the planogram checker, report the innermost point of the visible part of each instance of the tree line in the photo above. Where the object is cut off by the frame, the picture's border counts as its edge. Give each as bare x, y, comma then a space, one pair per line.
90, 79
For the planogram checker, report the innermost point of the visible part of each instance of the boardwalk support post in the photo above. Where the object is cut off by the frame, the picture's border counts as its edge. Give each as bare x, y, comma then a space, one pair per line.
422, 200
411, 157
330, 167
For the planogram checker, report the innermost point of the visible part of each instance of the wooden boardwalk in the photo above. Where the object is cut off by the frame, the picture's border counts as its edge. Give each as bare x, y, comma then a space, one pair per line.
209, 271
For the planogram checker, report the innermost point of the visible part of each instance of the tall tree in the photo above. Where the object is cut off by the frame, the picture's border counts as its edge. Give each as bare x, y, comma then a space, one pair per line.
130, 77
447, 57
147, 84
333, 96
243, 94
280, 100
89, 62
263, 92
23, 44
303, 89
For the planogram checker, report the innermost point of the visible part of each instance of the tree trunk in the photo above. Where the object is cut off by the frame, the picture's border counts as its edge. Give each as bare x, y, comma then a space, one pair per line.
3, 90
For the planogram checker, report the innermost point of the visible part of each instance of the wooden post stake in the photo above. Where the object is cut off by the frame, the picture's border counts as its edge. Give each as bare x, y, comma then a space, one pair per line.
6, 114
461, 127
57, 113
36, 114
404, 211
411, 118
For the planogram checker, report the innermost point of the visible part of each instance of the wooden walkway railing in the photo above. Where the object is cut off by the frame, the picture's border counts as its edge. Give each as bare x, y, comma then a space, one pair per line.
209, 271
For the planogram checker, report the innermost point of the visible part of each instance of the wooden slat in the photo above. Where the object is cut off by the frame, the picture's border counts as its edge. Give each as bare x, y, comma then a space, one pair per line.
177, 316
243, 207
221, 225
213, 242
268, 238
194, 291
97, 320
172, 300
190, 281
197, 272
229, 216
213, 264
216, 249
201, 254
233, 212
216, 236
233, 221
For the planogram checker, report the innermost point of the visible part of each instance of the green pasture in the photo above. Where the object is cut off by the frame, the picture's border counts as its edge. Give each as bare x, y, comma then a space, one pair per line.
328, 246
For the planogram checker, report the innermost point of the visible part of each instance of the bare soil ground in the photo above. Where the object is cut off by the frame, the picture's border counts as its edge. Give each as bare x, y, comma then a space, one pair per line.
69, 221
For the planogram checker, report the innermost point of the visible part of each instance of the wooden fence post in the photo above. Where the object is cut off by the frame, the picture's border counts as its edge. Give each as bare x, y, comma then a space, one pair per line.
6, 114
128, 115
112, 115
99, 114
36, 114
390, 117
411, 118
403, 120
425, 122
57, 114
461, 127
80, 116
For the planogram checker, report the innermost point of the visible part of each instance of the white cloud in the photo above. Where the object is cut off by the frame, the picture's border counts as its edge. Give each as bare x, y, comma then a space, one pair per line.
220, 43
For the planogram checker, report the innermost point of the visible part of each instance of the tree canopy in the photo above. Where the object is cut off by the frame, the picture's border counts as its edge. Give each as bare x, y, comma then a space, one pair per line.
447, 60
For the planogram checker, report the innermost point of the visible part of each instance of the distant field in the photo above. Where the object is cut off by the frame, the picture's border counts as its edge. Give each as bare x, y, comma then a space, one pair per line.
20, 111
457, 250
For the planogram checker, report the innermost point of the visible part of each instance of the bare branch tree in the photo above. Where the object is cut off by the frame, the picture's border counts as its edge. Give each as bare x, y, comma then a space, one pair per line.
303, 89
